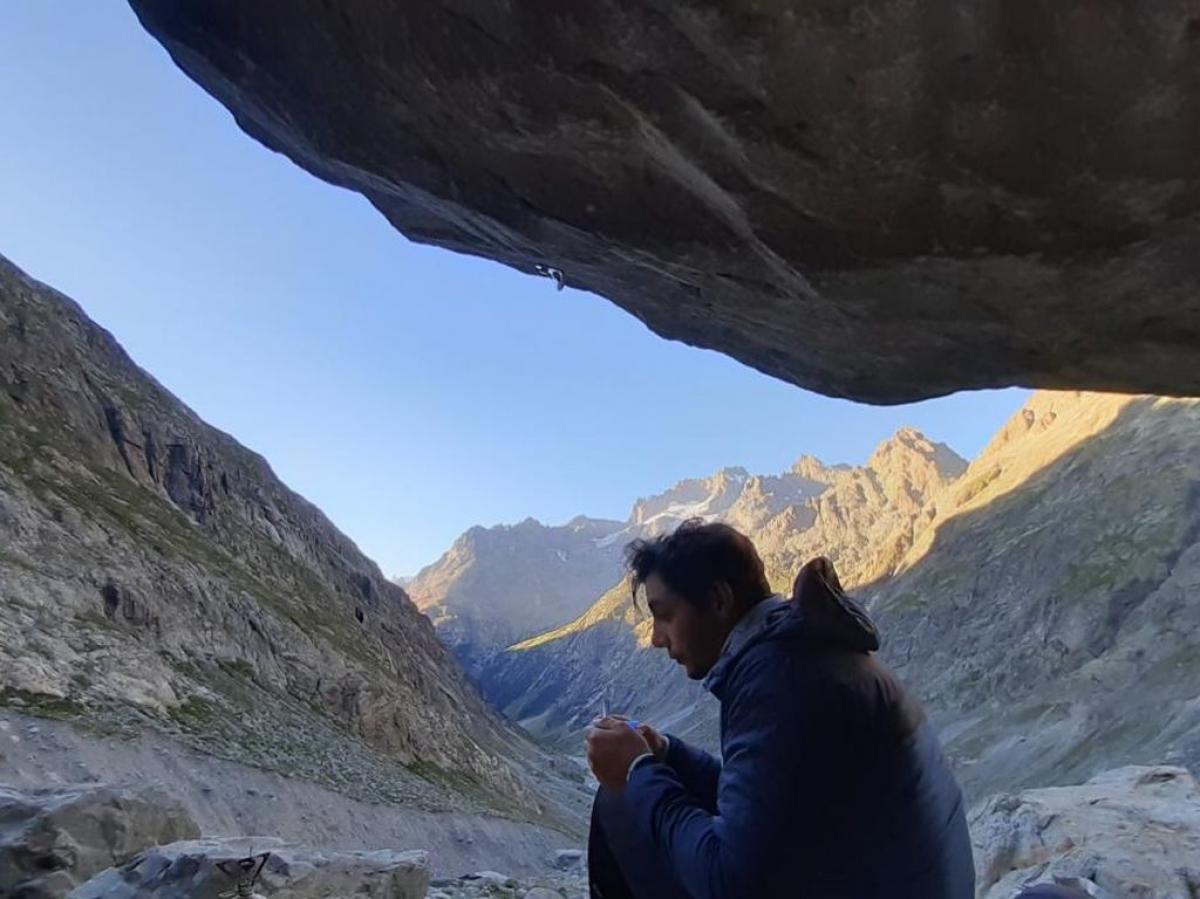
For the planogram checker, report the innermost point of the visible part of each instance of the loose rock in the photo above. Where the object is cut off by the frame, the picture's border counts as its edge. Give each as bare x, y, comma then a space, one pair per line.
51, 840
191, 870
1133, 832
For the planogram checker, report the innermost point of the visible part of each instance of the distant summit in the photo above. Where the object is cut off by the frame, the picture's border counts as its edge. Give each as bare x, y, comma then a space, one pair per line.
501, 585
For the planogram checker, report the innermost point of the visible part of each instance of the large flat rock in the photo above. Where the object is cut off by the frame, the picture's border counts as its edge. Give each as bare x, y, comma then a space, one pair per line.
882, 201
207, 869
54, 838
1130, 832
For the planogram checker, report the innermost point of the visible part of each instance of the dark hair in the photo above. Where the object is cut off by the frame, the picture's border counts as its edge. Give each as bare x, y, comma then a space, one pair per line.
696, 557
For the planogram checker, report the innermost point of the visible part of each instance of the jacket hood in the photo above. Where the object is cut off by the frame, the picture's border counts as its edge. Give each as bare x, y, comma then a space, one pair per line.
831, 618
820, 615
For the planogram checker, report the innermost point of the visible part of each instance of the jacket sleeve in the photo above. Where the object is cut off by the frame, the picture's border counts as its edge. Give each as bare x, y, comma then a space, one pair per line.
697, 770
731, 854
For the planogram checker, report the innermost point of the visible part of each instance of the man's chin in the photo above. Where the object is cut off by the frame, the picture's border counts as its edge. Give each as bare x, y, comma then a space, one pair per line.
693, 672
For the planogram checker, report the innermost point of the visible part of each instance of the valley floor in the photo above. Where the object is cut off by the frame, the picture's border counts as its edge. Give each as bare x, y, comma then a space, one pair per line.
230, 799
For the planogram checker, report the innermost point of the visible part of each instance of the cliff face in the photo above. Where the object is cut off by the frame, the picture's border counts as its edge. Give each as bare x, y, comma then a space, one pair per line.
152, 570
1048, 614
881, 203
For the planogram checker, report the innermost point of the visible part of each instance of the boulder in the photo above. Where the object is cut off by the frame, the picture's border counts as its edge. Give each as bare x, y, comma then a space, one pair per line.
51, 840
492, 879
569, 859
1132, 833
200, 869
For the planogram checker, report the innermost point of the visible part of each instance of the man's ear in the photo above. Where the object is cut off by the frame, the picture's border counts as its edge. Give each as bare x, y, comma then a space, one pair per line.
722, 599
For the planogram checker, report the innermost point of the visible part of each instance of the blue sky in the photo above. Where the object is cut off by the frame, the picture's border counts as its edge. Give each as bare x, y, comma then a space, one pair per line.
407, 391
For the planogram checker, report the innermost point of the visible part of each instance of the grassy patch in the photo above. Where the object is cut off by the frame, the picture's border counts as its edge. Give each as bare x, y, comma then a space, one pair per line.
1139, 553
908, 602
1178, 668
238, 668
977, 485
97, 621
459, 783
44, 705
195, 714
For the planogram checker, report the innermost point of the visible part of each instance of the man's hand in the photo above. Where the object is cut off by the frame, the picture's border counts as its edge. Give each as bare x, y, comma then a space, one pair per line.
656, 741
612, 745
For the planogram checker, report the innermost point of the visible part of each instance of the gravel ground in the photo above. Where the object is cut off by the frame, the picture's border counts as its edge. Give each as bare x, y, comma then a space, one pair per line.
230, 799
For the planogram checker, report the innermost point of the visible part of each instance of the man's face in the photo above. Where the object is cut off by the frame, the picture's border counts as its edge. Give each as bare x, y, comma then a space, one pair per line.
692, 636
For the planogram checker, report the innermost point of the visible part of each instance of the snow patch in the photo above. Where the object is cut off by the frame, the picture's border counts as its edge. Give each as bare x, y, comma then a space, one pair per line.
615, 537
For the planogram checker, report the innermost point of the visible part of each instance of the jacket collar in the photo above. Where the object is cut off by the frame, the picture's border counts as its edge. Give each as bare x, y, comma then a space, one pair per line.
820, 614
760, 619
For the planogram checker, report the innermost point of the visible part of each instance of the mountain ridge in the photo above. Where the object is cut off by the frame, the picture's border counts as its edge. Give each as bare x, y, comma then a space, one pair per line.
157, 573
468, 588
791, 516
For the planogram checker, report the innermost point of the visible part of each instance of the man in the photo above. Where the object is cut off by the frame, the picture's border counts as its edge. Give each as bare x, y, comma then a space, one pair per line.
833, 786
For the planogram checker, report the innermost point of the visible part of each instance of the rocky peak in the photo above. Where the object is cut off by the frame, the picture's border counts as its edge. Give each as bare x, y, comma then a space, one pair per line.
498, 585
813, 469
1047, 428
811, 508
909, 449
910, 467
598, 528
691, 498
1053, 420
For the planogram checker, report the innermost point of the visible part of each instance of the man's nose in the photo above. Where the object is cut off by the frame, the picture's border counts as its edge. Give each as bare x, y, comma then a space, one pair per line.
657, 640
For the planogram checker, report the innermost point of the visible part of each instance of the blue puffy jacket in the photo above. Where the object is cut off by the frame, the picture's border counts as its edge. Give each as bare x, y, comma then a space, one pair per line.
833, 785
